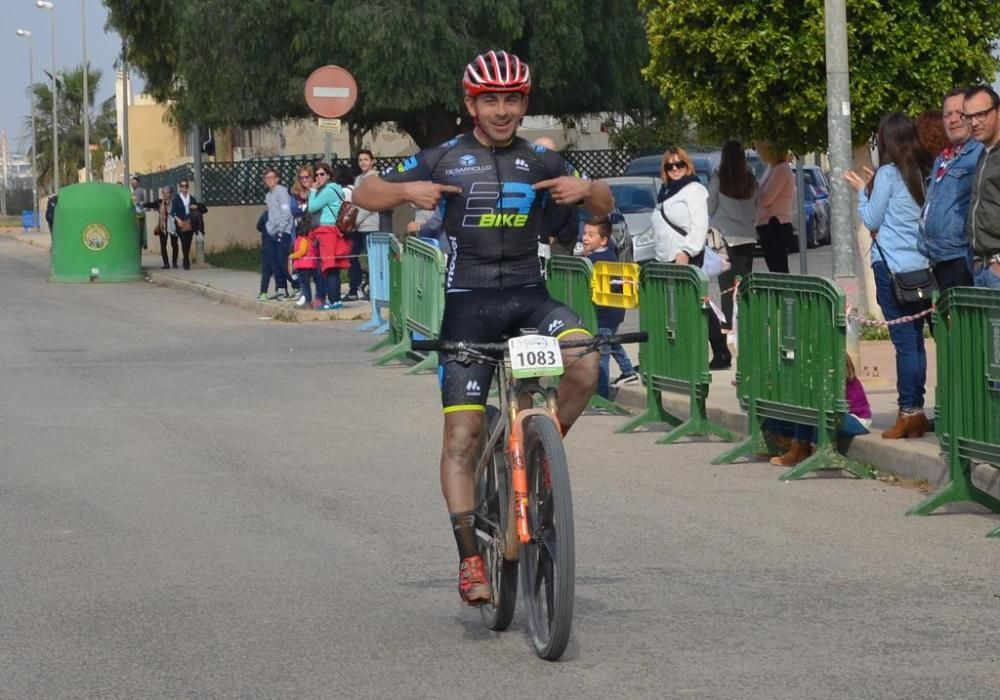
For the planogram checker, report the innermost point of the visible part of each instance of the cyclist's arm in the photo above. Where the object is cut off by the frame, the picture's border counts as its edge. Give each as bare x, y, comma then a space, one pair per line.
599, 200
376, 194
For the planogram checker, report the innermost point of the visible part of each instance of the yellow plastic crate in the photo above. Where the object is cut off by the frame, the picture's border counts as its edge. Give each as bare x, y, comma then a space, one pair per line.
607, 274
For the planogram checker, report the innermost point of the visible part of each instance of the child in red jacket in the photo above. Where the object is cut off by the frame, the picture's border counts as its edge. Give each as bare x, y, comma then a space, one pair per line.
303, 260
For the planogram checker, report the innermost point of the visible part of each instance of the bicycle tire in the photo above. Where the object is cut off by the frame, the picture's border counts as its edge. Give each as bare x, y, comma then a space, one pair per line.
495, 502
548, 562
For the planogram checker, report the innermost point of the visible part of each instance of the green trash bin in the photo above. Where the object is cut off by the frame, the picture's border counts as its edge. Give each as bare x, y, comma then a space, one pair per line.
95, 235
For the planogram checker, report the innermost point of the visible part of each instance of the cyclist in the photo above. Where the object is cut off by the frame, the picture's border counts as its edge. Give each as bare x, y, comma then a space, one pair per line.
492, 188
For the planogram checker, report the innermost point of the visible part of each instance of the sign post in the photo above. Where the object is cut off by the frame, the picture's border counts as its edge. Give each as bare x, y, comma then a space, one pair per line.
331, 92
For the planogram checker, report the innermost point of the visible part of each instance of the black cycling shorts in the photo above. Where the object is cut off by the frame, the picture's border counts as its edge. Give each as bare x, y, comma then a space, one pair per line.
486, 316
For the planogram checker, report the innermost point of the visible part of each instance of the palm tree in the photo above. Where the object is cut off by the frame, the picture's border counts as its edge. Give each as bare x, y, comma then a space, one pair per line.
70, 124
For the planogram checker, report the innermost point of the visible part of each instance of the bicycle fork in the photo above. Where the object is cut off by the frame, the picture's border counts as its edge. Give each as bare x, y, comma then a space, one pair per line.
519, 471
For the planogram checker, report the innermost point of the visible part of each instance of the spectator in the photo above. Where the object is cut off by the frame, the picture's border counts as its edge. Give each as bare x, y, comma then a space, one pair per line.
680, 225
732, 208
889, 203
596, 237
180, 210
138, 194
774, 215
982, 113
367, 223
166, 226
562, 223
299, 201
50, 213
325, 199
277, 230
304, 261
857, 422
944, 238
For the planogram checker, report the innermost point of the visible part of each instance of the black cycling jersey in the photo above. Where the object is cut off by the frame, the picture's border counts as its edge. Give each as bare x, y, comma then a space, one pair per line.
495, 224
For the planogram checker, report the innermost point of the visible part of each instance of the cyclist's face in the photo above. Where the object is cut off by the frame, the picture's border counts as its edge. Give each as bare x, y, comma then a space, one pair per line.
498, 114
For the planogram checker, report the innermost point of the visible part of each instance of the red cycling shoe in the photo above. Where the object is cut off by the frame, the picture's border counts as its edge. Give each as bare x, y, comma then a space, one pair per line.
473, 585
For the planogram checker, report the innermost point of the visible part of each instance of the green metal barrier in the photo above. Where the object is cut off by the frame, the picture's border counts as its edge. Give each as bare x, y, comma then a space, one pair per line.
423, 296
791, 364
569, 281
675, 358
967, 339
395, 334
421, 302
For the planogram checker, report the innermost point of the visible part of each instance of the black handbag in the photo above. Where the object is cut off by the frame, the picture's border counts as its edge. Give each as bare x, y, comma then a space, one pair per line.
913, 287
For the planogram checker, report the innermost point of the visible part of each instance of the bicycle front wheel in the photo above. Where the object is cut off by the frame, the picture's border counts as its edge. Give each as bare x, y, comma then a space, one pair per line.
548, 561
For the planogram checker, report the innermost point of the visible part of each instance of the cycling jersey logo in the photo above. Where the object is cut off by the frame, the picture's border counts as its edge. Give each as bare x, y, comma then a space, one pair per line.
468, 160
473, 388
408, 164
555, 325
521, 164
508, 208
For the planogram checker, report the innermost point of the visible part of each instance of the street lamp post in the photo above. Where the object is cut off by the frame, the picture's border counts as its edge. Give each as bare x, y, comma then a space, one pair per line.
86, 106
34, 138
46, 5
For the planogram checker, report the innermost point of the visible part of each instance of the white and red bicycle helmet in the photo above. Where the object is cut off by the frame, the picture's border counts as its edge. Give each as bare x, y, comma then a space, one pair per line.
496, 71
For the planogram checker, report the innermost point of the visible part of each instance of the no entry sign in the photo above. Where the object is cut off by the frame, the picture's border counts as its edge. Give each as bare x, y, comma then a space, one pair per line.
331, 92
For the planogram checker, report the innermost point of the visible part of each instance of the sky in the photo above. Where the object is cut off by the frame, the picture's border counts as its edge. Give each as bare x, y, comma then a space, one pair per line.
102, 51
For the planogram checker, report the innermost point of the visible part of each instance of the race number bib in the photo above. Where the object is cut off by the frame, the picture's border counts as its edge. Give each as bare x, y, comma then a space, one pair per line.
535, 356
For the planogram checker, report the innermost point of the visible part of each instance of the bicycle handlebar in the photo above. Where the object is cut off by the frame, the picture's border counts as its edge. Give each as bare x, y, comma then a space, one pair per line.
459, 345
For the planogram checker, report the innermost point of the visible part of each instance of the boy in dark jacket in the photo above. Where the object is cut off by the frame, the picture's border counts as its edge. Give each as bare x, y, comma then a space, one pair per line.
597, 247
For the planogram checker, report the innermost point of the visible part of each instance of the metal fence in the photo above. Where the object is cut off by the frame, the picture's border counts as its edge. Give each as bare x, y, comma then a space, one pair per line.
241, 182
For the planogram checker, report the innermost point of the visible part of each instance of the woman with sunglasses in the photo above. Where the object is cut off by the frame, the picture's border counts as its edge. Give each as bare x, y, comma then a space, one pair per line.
680, 224
774, 215
889, 203
325, 198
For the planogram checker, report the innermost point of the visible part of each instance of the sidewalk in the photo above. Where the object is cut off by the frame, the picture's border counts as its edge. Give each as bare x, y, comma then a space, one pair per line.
918, 459
234, 287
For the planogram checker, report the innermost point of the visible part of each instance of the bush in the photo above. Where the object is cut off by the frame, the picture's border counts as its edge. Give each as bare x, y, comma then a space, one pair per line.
236, 256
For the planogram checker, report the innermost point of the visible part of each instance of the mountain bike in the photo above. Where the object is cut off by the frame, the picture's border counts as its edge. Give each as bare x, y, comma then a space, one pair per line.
524, 507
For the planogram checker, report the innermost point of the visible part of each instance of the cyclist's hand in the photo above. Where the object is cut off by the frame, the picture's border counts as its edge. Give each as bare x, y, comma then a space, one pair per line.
565, 189
426, 195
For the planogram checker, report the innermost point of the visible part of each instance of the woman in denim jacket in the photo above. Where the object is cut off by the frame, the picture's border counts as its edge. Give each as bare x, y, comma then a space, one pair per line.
889, 202
944, 238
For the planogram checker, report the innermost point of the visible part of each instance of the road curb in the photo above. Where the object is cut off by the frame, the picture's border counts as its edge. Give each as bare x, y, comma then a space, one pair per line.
263, 308
917, 460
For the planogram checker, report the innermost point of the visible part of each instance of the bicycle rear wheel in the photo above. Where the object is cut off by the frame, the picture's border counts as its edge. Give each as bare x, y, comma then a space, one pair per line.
495, 509
548, 561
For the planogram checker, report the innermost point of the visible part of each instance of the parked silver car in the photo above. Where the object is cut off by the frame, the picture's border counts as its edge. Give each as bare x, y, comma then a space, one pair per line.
635, 199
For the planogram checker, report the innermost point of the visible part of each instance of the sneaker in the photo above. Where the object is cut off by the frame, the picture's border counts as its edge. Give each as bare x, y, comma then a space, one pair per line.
335, 305
350, 296
473, 585
624, 379
263, 297
317, 304
280, 295
300, 302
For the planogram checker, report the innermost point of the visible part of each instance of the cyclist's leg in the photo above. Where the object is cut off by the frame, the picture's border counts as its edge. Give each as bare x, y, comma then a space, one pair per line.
581, 366
464, 388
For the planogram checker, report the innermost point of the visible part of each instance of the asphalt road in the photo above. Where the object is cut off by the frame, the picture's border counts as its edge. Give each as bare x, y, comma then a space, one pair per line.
195, 502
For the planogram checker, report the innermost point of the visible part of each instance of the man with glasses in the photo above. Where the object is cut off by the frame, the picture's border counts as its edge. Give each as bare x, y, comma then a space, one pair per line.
982, 113
278, 231
945, 239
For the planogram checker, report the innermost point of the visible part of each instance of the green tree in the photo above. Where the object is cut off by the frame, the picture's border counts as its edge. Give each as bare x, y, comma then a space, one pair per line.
757, 68
245, 63
70, 116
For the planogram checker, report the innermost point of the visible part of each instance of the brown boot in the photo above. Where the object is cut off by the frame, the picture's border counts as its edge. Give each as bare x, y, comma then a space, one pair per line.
797, 452
907, 425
